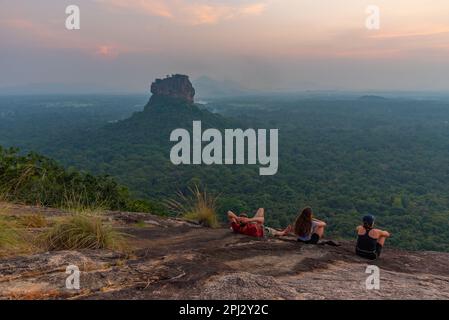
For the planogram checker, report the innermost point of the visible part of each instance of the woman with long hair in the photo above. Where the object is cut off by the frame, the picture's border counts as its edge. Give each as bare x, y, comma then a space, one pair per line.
308, 229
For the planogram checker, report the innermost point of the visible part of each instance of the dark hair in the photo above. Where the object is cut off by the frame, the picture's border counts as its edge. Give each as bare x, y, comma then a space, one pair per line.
243, 215
303, 224
368, 221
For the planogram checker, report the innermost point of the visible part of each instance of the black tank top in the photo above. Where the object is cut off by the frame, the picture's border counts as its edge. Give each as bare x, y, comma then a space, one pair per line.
365, 243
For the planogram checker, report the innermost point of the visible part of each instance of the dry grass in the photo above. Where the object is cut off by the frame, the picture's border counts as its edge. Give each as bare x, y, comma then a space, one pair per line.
14, 236
85, 228
197, 206
4, 206
82, 231
32, 221
13, 239
77, 204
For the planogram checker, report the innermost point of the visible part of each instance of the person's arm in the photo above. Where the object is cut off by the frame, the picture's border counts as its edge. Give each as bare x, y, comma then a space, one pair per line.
384, 234
260, 220
232, 217
320, 223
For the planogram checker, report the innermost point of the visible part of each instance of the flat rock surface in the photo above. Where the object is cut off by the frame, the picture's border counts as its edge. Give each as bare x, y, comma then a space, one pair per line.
175, 259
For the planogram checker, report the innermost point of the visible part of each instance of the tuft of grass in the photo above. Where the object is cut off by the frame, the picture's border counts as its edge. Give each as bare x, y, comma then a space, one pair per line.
12, 239
197, 206
78, 203
32, 221
9, 237
81, 231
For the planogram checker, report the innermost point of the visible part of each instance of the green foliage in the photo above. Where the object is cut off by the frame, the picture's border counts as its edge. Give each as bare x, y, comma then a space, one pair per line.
343, 157
34, 179
224, 204
146, 206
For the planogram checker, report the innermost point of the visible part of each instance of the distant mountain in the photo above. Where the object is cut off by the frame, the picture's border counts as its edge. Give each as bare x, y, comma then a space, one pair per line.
210, 88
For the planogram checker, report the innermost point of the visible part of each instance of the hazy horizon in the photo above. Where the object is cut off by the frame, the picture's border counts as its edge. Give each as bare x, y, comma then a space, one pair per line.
261, 45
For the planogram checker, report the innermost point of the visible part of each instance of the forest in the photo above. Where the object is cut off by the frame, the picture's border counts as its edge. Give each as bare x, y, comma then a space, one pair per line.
345, 157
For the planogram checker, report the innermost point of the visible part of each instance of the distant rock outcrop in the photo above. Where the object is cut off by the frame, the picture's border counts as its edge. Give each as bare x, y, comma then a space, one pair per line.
171, 106
175, 86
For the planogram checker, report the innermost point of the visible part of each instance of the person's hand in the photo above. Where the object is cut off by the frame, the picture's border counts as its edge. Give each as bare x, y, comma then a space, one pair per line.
243, 220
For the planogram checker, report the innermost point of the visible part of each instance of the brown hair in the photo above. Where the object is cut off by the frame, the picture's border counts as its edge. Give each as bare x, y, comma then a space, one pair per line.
303, 224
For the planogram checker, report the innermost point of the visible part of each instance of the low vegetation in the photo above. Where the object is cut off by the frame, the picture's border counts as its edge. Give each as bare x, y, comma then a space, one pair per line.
82, 231
344, 157
197, 206
37, 180
13, 239
32, 221
22, 233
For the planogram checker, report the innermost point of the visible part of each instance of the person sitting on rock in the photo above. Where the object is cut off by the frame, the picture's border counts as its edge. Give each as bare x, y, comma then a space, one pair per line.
370, 241
254, 226
308, 229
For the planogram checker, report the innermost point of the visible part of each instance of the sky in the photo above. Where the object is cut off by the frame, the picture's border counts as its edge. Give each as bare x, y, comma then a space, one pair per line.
270, 45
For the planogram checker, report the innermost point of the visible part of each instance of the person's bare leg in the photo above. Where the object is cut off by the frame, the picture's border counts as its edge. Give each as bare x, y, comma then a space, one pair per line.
278, 233
289, 230
320, 231
260, 214
274, 232
284, 232
381, 241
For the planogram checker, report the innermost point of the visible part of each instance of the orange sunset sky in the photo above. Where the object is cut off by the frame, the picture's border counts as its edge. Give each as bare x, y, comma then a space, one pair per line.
273, 45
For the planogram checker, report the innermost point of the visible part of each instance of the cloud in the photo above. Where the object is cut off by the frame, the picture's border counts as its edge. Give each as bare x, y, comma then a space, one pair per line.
411, 34
37, 34
189, 11
106, 51
22, 27
158, 8
18, 23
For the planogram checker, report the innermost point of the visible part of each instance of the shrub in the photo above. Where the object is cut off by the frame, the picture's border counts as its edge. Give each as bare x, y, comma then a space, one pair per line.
34, 179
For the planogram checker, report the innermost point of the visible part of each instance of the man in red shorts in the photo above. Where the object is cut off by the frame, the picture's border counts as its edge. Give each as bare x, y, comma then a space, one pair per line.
248, 226
254, 227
